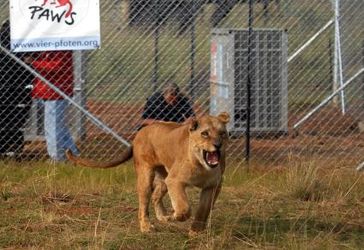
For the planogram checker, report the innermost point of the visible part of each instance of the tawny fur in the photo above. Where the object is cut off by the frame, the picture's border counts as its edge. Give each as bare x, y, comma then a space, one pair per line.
168, 157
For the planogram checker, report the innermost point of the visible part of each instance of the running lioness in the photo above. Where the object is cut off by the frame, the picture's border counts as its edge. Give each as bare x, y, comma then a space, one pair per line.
169, 157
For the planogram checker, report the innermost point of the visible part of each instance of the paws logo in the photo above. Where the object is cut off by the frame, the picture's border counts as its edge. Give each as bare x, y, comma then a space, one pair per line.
53, 11
62, 3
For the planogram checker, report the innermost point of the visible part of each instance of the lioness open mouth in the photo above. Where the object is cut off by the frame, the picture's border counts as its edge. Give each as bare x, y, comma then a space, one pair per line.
212, 159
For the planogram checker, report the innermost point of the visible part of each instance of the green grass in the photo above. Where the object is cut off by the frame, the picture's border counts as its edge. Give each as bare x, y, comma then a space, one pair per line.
67, 207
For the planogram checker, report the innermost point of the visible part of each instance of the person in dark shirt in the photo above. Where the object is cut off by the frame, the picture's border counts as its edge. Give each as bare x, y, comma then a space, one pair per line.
15, 80
15, 99
170, 104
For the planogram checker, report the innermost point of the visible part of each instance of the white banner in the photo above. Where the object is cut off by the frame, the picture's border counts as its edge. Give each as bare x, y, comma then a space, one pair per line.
40, 25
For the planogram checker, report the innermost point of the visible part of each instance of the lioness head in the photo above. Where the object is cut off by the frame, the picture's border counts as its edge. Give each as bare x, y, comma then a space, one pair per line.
207, 138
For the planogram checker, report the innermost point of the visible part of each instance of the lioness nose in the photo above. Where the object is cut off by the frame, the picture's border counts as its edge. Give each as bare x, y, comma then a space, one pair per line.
218, 145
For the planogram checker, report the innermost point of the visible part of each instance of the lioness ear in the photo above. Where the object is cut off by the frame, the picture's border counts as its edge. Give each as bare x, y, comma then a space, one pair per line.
224, 117
194, 124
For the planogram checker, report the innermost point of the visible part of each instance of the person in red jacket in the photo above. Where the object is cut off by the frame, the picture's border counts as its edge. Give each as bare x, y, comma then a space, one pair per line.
57, 68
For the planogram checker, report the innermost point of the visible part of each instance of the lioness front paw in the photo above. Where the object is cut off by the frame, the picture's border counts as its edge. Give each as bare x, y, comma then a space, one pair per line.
182, 216
146, 227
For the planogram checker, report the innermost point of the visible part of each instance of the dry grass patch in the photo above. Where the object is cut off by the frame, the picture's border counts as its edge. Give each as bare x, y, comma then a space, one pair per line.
298, 207
303, 182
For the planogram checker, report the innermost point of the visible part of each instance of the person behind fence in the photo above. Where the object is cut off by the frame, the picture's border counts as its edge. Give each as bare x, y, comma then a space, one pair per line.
170, 104
15, 98
57, 68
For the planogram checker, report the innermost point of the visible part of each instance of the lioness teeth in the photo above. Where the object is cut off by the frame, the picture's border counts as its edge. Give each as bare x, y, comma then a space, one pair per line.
212, 158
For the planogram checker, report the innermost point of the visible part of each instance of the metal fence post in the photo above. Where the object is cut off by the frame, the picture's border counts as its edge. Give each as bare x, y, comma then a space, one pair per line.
339, 81
248, 85
79, 72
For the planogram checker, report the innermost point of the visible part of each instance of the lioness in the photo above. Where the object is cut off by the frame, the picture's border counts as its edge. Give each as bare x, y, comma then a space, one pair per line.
168, 157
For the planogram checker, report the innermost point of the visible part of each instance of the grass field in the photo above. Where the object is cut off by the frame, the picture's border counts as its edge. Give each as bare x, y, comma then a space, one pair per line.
299, 206
66, 207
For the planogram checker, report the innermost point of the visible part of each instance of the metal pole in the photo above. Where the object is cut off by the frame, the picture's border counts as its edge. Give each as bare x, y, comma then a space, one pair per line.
88, 114
79, 92
360, 167
338, 59
309, 41
193, 52
248, 85
334, 62
327, 99
156, 44
265, 11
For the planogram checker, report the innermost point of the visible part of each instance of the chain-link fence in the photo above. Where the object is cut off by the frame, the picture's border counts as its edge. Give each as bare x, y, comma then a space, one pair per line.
307, 81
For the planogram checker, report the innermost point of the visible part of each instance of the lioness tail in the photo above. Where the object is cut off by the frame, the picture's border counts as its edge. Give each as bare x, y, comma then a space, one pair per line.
126, 155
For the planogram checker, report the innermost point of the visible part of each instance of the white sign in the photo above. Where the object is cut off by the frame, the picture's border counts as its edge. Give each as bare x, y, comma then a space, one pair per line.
39, 25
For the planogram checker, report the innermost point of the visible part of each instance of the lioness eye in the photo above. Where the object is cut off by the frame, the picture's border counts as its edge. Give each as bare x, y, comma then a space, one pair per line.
205, 134
223, 134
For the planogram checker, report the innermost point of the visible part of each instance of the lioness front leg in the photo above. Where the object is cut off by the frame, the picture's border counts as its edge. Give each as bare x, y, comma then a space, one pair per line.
179, 200
208, 197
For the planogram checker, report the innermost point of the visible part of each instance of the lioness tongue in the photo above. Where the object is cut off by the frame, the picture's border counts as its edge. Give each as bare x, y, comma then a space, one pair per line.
212, 158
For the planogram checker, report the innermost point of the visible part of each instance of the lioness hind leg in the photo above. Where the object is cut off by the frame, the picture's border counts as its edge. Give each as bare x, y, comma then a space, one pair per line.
145, 178
160, 189
208, 197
